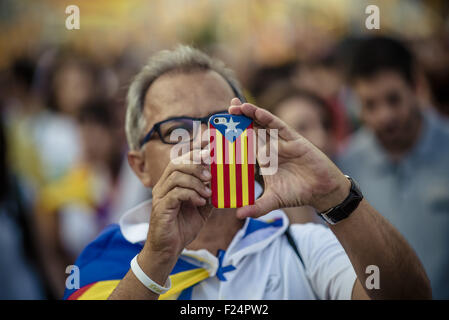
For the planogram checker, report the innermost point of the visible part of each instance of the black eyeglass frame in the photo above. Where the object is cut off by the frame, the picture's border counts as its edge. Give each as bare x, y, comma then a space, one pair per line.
157, 126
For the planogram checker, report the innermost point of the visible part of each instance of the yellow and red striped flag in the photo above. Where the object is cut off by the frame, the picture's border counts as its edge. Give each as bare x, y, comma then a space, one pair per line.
233, 159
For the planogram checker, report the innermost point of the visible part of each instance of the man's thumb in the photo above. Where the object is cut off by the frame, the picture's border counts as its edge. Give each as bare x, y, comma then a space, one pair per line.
266, 203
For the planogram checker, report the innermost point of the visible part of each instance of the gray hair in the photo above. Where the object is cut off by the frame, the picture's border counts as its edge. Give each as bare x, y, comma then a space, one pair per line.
182, 58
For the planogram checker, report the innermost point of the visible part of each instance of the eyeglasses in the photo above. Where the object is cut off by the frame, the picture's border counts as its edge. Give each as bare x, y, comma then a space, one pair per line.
165, 128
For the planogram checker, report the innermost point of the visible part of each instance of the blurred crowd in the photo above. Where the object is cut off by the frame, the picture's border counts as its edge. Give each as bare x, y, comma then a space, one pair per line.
62, 119
63, 166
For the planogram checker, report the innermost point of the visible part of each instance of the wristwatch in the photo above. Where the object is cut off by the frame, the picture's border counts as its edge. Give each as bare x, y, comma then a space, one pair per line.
344, 209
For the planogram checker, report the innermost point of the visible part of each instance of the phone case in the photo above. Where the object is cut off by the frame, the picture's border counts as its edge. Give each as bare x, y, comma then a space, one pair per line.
232, 147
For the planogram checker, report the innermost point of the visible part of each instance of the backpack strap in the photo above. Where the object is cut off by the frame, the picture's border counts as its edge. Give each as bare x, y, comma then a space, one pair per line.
292, 244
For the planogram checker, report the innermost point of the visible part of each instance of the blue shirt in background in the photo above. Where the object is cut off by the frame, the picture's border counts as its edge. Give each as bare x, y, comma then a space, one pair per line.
412, 194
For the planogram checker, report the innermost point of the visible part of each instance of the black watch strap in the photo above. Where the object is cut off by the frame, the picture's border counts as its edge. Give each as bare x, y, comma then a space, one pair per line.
344, 209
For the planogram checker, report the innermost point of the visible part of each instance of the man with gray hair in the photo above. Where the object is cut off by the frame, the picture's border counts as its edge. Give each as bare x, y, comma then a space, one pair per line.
190, 250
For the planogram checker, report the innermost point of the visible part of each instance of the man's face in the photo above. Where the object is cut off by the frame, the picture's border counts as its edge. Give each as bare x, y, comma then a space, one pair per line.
194, 94
389, 108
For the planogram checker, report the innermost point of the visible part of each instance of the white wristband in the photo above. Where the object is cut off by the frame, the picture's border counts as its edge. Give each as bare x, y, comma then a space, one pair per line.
146, 281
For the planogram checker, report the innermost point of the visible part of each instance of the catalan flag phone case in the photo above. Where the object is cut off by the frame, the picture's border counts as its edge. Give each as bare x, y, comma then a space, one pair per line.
232, 150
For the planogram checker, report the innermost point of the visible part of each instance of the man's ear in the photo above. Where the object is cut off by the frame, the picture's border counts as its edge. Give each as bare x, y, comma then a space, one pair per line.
136, 160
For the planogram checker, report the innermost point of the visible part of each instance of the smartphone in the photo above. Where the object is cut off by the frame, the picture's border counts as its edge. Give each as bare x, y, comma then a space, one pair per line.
232, 151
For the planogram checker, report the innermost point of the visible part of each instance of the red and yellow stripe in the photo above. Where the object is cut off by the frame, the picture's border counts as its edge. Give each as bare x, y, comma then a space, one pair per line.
232, 169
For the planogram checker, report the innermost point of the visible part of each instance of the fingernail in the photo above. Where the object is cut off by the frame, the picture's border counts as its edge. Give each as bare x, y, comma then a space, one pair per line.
208, 190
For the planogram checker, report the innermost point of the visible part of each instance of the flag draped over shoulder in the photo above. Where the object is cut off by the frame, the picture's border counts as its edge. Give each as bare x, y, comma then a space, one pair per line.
233, 158
103, 264
107, 260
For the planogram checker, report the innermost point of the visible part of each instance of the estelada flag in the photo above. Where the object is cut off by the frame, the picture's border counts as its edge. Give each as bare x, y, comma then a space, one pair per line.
232, 143
105, 262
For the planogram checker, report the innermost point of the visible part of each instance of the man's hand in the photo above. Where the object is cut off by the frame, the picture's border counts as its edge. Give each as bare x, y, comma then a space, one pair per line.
305, 175
179, 207
179, 211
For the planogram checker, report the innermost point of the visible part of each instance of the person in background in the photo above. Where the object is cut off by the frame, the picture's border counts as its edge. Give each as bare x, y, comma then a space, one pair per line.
324, 77
310, 116
129, 192
21, 269
76, 207
22, 107
432, 54
71, 84
400, 156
